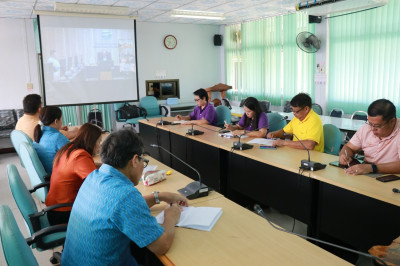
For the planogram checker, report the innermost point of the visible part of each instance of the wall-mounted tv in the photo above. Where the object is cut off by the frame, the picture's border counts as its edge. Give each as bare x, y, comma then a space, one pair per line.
163, 89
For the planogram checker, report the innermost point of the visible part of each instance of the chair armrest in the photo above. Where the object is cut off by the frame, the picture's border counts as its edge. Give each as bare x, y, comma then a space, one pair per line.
165, 108
45, 232
117, 117
144, 111
52, 207
45, 184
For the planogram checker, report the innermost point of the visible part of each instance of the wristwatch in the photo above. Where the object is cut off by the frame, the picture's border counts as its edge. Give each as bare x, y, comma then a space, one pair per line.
374, 168
156, 198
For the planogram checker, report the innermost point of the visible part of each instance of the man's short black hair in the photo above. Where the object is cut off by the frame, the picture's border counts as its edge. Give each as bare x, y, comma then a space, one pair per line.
382, 107
201, 93
120, 147
301, 100
32, 103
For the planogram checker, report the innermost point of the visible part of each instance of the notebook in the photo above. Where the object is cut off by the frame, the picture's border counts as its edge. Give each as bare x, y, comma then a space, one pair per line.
199, 218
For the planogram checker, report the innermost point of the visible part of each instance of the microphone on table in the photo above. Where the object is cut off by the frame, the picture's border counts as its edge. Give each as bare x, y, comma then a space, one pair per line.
194, 132
260, 212
161, 122
237, 145
307, 164
193, 190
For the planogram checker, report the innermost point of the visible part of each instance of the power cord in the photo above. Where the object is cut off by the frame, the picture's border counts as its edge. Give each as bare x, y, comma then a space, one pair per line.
260, 212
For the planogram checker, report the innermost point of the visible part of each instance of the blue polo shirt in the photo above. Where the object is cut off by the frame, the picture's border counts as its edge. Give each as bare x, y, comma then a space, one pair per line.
208, 113
108, 213
51, 141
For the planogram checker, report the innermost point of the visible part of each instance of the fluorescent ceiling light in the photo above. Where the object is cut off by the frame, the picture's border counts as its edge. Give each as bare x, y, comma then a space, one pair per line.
93, 9
197, 14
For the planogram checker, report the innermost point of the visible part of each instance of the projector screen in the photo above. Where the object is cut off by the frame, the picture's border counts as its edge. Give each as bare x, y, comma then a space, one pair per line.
88, 60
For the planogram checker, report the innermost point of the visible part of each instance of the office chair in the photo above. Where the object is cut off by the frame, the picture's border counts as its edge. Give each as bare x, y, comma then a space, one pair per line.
357, 115
287, 108
336, 112
15, 248
40, 180
153, 109
332, 139
131, 122
265, 106
276, 122
317, 108
17, 137
242, 102
36, 221
223, 114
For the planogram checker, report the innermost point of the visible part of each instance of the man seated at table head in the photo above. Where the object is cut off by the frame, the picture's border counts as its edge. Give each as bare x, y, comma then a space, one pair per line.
305, 125
204, 113
32, 105
379, 139
109, 212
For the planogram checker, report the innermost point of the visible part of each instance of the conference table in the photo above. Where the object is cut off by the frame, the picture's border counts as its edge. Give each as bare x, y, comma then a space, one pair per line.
358, 211
344, 124
240, 237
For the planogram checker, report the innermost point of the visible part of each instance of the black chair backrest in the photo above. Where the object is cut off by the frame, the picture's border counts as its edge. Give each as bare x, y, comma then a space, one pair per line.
265, 106
287, 108
242, 102
336, 113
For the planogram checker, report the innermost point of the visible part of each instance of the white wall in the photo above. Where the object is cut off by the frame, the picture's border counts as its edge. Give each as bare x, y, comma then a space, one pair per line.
195, 61
18, 63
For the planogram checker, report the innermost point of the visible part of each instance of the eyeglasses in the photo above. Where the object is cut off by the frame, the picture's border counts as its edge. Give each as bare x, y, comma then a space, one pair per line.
298, 111
196, 100
145, 161
376, 126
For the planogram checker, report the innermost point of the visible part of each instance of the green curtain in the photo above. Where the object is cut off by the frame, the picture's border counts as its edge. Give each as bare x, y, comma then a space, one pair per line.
272, 66
364, 58
104, 108
70, 114
233, 61
298, 66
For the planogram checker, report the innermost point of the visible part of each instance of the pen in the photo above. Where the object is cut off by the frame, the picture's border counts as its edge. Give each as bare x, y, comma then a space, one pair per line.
347, 157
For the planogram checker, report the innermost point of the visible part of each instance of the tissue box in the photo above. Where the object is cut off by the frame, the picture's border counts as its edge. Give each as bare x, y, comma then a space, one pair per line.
154, 177
172, 101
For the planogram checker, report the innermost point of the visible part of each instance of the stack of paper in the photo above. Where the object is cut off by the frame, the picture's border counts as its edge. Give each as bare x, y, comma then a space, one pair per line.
200, 218
230, 135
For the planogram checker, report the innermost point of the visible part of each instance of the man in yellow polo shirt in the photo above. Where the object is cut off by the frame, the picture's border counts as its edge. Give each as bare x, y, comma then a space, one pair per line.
306, 125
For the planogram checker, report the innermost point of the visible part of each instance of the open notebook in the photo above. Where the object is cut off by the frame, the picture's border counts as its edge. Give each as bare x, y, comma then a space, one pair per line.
200, 218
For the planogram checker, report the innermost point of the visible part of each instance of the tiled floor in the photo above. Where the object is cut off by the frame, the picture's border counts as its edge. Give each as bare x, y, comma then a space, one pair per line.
43, 257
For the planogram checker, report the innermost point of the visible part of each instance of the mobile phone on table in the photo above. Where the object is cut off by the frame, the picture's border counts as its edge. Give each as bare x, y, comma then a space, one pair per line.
267, 147
388, 178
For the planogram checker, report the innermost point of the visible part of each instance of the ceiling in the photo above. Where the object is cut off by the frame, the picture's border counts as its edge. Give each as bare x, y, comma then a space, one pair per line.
159, 10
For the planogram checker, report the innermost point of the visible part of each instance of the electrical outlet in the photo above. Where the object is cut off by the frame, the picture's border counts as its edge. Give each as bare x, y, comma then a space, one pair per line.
29, 86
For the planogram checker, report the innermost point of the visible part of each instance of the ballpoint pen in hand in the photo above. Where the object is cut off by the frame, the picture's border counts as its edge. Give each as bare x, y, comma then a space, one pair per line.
347, 157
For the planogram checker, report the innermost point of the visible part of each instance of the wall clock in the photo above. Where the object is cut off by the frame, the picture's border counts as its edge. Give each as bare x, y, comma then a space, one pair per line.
170, 42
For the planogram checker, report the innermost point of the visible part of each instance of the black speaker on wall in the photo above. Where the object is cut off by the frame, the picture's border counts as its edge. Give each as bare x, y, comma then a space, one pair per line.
217, 39
314, 19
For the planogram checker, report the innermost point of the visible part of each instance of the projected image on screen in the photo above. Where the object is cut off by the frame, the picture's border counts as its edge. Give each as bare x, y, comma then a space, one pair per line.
88, 60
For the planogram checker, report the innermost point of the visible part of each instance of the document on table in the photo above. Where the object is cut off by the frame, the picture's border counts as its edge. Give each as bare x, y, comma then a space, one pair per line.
266, 142
200, 218
230, 135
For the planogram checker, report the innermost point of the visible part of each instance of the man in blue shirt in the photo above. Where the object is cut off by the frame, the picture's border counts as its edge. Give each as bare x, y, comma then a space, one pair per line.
109, 212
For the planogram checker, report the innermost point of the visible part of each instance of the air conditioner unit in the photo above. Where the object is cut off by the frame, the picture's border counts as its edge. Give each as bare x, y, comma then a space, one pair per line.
325, 7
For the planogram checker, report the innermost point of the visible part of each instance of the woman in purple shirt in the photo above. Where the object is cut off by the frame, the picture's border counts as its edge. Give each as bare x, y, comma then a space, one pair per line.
253, 120
204, 113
